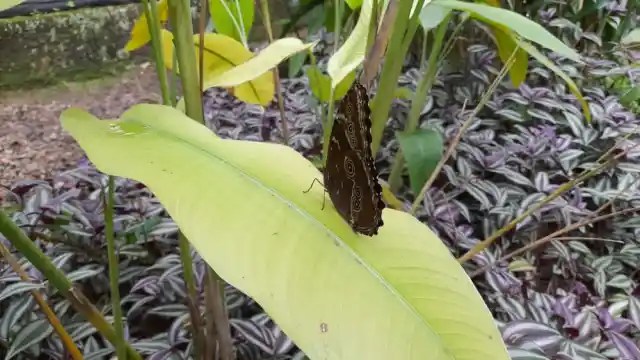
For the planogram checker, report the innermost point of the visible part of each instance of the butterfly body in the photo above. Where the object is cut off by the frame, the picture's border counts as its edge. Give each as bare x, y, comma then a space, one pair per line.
350, 176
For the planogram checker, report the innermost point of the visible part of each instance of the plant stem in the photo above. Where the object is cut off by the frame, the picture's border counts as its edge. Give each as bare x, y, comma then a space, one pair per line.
376, 53
555, 194
113, 269
66, 339
180, 17
151, 12
419, 99
80, 303
485, 98
399, 42
552, 236
266, 19
219, 317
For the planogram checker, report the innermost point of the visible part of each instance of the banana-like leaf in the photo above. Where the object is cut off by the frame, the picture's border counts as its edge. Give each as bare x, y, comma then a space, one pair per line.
352, 52
503, 18
8, 4
337, 294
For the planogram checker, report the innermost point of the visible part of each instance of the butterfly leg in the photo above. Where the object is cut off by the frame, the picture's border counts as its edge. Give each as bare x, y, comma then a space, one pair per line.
313, 182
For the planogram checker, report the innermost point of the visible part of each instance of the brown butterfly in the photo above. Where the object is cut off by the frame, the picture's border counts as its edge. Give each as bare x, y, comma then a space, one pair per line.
350, 176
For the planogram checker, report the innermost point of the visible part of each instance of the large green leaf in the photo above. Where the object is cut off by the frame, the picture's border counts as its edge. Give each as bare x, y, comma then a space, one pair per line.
523, 26
233, 18
337, 294
423, 150
352, 52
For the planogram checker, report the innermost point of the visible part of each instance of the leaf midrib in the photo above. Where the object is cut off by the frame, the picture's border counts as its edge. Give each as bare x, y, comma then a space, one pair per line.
385, 283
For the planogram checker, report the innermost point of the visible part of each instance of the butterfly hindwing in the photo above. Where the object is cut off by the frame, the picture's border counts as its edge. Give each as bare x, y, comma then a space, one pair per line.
350, 176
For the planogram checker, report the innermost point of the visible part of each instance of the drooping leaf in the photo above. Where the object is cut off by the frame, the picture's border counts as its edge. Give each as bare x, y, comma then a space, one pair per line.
352, 52
422, 150
8, 4
259, 64
432, 15
232, 17
515, 22
140, 33
30, 334
223, 53
630, 96
548, 63
398, 295
633, 37
295, 63
320, 84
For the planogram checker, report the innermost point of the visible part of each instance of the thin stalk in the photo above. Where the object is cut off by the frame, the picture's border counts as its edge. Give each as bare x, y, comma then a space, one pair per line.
40, 261
485, 98
113, 269
328, 123
420, 97
553, 236
376, 53
390, 71
219, 315
66, 339
180, 17
151, 12
555, 194
266, 18
192, 298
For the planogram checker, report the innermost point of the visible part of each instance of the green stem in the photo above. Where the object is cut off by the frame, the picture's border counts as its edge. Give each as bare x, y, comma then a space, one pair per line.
419, 99
390, 72
151, 12
180, 16
40, 261
113, 269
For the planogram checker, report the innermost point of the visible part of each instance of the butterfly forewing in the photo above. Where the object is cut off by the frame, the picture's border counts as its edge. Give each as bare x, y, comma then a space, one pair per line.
350, 176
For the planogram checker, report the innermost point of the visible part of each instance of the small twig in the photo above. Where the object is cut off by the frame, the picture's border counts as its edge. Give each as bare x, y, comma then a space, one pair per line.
465, 126
551, 237
66, 339
570, 228
266, 19
555, 194
375, 55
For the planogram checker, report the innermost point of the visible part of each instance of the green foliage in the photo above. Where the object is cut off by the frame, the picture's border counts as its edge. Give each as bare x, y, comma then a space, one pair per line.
422, 150
431, 310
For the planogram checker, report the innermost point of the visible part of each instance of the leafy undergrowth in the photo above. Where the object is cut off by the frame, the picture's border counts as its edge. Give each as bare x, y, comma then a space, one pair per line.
575, 297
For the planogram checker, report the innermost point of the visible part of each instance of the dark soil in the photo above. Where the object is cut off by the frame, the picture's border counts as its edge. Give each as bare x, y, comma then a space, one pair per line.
33, 145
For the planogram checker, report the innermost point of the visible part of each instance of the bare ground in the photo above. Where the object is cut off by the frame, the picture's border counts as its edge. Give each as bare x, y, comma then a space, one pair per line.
32, 142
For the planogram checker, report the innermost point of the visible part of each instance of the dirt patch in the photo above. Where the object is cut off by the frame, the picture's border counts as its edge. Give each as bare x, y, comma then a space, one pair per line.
32, 142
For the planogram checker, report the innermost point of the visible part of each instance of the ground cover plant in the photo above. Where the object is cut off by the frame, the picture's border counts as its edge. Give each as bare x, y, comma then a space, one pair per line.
576, 297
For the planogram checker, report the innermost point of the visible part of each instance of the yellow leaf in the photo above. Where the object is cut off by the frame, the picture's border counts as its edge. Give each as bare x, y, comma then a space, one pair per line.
264, 61
140, 33
223, 53
166, 38
8, 4
506, 45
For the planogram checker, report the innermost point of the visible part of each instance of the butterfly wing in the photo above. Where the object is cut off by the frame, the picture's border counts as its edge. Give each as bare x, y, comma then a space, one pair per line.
350, 176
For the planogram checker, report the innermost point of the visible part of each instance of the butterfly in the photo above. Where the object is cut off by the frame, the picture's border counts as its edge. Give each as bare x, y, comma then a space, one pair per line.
350, 175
